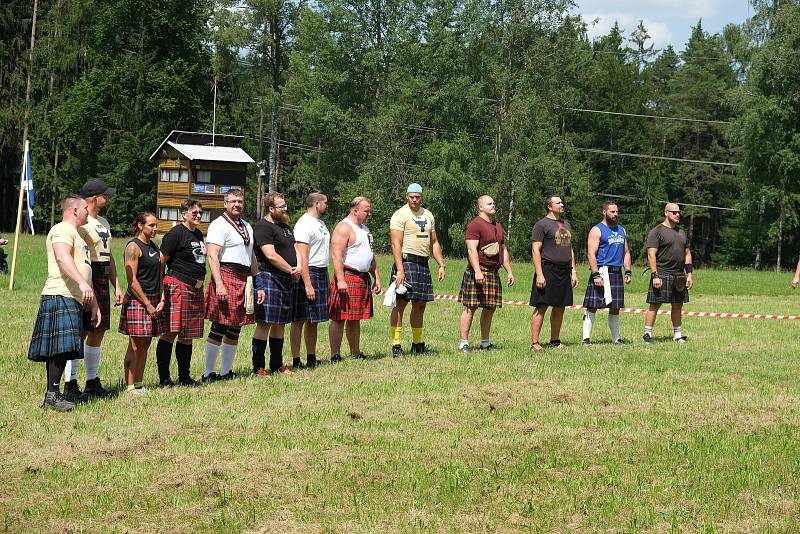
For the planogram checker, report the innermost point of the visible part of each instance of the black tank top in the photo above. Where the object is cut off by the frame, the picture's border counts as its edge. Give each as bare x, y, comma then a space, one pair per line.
149, 271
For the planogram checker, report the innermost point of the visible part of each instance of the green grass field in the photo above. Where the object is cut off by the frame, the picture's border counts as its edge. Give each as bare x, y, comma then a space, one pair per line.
699, 437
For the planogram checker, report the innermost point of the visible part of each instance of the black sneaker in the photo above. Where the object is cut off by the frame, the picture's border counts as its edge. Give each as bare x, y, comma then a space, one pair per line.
95, 389
298, 365
419, 348
360, 356
53, 400
230, 375
336, 358
587, 341
681, 339
187, 382
210, 378
487, 347
466, 349
72, 393
647, 338
620, 341
166, 383
397, 351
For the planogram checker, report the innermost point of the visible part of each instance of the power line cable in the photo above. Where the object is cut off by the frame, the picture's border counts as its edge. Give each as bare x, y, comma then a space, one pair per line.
665, 117
648, 156
627, 197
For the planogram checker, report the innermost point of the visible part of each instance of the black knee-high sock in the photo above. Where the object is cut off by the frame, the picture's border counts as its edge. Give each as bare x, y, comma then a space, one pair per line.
259, 352
183, 353
275, 353
163, 357
311, 360
55, 369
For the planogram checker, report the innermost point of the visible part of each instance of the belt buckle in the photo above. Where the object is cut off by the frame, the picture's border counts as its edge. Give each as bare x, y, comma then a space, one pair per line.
198, 284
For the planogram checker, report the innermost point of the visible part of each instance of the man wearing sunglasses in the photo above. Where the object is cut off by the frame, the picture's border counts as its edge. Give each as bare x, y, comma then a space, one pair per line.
670, 261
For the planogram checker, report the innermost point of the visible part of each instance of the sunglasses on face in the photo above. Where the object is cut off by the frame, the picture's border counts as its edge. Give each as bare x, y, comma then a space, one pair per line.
674, 212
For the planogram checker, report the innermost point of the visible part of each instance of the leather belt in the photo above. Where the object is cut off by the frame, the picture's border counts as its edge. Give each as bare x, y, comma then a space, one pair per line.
194, 282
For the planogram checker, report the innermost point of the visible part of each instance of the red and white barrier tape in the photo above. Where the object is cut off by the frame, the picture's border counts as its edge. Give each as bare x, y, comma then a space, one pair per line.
662, 311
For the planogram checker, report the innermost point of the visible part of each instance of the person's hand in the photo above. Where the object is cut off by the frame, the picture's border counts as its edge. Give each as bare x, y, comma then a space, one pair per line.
87, 293
261, 295
510, 279
96, 315
627, 279
689, 281
540, 281
222, 293
295, 273
3, 241
598, 281
118, 296
479, 277
574, 279
399, 278
310, 294
160, 307
441, 273
341, 285
151, 310
657, 282
795, 282
376, 286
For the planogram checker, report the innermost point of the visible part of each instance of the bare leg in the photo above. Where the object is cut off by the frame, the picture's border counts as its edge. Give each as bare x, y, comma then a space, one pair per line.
295, 337
396, 317
537, 319
143, 345
335, 332
353, 330
556, 318
130, 362
676, 313
310, 337
417, 314
486, 321
650, 318
466, 322
260, 333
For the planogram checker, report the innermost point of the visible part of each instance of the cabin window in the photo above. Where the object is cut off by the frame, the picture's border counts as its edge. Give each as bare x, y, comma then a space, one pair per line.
203, 177
174, 175
174, 214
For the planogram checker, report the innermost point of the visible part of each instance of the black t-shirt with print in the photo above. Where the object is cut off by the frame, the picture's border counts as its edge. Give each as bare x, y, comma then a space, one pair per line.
186, 251
278, 235
555, 235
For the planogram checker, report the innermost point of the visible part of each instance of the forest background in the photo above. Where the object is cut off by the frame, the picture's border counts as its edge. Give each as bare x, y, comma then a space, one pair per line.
464, 96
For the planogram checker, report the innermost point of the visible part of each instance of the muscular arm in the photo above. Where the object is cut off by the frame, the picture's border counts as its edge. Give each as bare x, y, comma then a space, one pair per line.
507, 265
472, 258
66, 264
687, 260
275, 259
436, 250
397, 252
213, 252
592, 244
339, 240
115, 280
796, 279
301, 249
132, 254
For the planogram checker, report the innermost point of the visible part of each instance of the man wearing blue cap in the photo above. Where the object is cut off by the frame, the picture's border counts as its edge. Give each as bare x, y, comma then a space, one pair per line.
413, 236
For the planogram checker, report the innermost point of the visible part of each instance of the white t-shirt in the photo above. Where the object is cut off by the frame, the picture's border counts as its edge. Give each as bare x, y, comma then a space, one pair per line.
222, 233
314, 233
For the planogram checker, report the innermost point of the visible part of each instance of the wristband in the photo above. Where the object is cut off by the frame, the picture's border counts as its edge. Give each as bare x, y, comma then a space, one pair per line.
628, 272
595, 274
689, 268
654, 275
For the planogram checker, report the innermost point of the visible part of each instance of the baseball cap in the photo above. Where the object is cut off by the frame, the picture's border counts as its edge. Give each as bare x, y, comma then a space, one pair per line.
96, 187
414, 188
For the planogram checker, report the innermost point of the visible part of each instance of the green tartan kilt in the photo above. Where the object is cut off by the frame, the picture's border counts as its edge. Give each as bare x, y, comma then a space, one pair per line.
488, 294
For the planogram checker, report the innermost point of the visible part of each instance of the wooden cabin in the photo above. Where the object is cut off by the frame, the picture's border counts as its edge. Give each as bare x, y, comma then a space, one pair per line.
192, 164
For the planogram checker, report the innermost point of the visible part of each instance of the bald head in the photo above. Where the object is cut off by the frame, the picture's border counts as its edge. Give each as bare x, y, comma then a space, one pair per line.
672, 214
486, 207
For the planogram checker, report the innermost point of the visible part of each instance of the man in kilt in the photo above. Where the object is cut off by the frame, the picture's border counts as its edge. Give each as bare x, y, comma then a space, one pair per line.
229, 249
351, 291
608, 254
413, 234
670, 261
481, 287
183, 255
56, 336
97, 234
555, 277
312, 242
279, 293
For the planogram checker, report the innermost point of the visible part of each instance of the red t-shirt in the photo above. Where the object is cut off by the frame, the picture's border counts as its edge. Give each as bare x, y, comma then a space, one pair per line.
486, 233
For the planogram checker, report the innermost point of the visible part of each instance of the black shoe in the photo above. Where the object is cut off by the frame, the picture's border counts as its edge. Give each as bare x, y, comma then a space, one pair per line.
95, 389
297, 365
681, 339
336, 358
647, 338
487, 347
187, 382
210, 378
54, 401
419, 348
72, 393
466, 349
166, 383
228, 376
620, 341
397, 351
360, 356
587, 341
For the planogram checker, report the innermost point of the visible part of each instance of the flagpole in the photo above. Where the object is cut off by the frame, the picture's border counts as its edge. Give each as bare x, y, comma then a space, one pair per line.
19, 215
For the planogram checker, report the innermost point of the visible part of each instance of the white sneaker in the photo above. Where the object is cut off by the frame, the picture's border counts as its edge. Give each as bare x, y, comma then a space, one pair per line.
139, 391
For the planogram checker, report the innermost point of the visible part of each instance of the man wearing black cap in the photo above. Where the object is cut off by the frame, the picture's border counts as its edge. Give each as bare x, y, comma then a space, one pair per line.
97, 234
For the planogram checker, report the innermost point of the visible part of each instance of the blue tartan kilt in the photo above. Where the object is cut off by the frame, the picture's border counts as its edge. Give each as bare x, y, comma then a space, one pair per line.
418, 277
594, 295
315, 310
58, 328
282, 302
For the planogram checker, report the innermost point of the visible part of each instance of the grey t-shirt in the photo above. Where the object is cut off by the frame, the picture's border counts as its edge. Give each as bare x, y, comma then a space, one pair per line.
670, 245
555, 236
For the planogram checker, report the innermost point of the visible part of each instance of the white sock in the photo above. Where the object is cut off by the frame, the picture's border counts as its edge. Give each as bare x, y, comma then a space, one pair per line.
588, 323
676, 332
485, 343
71, 370
212, 351
91, 359
462, 342
613, 325
228, 354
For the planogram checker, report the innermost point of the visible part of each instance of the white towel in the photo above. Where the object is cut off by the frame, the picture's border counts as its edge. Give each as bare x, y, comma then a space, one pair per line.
606, 284
390, 299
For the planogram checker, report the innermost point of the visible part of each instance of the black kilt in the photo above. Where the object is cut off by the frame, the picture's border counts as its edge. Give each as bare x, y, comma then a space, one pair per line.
58, 329
558, 290
594, 295
282, 302
316, 310
666, 294
418, 276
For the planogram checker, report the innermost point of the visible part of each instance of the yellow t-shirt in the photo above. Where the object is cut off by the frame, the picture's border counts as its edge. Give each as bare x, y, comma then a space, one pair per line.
57, 282
97, 234
416, 228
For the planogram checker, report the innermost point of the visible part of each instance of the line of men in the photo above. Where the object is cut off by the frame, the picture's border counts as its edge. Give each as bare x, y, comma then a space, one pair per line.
289, 270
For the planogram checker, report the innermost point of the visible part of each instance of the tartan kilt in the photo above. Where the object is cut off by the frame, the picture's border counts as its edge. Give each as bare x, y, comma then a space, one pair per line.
229, 312
317, 309
282, 300
184, 308
419, 278
356, 305
58, 329
134, 320
489, 294
594, 295
667, 293
103, 295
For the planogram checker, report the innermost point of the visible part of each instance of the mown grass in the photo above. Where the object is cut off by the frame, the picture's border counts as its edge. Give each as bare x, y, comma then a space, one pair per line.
701, 437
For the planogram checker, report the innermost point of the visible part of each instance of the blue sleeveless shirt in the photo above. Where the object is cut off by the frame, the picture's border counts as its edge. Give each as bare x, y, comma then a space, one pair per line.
612, 245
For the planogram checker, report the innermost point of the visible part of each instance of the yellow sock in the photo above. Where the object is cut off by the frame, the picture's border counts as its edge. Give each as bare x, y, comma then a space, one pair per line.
396, 334
416, 335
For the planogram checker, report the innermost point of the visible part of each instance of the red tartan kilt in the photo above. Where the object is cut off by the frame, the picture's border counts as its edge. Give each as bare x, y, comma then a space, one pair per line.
355, 305
134, 320
228, 312
184, 309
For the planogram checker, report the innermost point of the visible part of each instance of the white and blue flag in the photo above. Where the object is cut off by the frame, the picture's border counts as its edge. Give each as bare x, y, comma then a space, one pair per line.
27, 185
